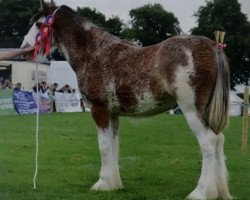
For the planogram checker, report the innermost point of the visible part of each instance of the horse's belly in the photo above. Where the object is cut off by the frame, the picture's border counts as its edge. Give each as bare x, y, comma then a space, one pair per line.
148, 105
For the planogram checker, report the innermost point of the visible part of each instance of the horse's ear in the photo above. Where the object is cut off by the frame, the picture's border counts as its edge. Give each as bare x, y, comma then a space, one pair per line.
42, 4
52, 3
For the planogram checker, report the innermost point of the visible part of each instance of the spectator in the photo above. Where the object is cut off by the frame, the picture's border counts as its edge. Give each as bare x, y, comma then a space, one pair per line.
52, 88
65, 89
18, 87
7, 84
51, 93
42, 87
35, 88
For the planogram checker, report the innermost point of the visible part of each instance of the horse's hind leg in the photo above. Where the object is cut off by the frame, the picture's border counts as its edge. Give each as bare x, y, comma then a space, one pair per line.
222, 173
109, 147
213, 180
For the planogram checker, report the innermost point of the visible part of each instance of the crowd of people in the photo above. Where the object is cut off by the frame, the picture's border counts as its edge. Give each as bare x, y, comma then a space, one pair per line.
10, 86
46, 90
43, 87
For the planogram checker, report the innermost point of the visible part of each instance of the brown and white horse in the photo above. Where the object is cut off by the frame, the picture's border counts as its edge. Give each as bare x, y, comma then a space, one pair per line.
119, 78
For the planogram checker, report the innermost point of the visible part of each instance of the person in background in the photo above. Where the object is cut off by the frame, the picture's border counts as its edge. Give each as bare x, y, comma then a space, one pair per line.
18, 87
51, 93
34, 88
44, 86
65, 89
7, 84
52, 88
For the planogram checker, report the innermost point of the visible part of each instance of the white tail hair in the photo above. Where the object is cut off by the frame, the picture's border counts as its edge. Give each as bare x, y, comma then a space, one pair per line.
217, 110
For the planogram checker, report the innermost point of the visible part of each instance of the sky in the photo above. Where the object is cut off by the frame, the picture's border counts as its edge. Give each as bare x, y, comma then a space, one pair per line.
183, 9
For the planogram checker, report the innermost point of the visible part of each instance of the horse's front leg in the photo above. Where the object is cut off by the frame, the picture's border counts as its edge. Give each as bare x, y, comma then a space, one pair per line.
109, 147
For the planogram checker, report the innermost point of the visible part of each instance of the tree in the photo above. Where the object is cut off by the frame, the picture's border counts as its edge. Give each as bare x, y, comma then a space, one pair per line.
14, 21
93, 15
113, 25
226, 15
152, 24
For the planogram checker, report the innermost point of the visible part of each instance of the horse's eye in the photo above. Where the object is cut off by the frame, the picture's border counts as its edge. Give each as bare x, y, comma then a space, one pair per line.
38, 24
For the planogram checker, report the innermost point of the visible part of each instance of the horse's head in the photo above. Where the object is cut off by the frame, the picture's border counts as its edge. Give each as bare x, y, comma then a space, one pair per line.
36, 21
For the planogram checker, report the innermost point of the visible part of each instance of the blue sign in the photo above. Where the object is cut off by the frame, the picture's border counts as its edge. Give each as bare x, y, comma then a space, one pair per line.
24, 102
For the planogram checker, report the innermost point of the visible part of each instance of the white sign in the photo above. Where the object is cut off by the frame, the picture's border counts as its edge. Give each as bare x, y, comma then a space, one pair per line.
67, 102
42, 76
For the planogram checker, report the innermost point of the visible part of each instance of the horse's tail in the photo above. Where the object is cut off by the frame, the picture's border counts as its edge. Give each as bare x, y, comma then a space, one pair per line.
217, 110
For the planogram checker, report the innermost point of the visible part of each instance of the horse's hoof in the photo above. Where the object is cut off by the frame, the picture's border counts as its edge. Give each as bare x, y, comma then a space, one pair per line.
198, 195
193, 196
102, 185
229, 197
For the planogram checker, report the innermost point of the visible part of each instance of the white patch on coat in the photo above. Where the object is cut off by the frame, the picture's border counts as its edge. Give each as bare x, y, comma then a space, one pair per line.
146, 101
109, 174
87, 25
111, 93
65, 52
166, 87
213, 179
184, 91
183, 36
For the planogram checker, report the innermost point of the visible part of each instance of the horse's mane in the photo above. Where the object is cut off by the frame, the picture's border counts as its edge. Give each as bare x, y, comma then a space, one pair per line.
80, 20
101, 31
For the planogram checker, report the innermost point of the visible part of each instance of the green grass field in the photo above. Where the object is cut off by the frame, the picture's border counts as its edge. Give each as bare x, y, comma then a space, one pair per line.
159, 158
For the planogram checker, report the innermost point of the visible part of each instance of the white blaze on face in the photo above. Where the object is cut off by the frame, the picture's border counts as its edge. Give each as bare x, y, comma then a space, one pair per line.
29, 39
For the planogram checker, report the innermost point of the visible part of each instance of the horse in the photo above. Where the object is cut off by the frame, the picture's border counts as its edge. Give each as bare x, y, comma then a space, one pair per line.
120, 78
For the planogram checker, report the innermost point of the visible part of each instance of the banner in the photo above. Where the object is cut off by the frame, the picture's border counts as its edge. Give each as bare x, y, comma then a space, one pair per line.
6, 103
24, 102
67, 102
45, 103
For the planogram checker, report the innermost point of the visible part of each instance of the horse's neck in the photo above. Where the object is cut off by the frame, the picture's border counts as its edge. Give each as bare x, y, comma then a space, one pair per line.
81, 41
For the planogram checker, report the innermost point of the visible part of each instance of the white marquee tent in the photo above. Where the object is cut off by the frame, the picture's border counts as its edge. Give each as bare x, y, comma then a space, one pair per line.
235, 106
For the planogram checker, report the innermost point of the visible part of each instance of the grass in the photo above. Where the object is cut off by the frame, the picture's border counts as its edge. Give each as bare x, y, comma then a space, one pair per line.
159, 158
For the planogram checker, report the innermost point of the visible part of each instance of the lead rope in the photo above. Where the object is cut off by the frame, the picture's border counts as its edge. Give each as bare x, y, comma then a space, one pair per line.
37, 119
43, 43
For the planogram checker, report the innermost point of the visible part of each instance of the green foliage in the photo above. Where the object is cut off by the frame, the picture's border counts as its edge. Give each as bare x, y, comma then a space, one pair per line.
14, 21
92, 14
152, 24
226, 15
159, 158
114, 25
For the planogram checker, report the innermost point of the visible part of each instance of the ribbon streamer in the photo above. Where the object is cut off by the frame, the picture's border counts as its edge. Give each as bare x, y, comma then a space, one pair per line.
44, 37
